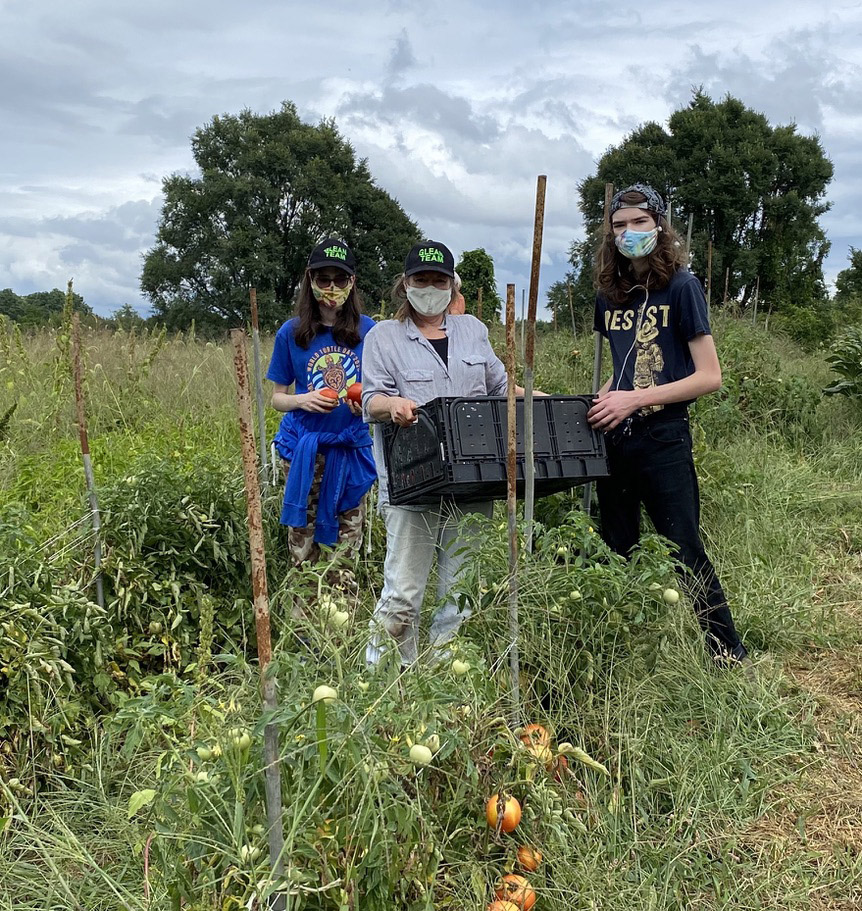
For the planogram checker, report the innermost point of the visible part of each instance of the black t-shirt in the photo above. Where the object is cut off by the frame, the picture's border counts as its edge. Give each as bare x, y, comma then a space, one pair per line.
673, 316
441, 346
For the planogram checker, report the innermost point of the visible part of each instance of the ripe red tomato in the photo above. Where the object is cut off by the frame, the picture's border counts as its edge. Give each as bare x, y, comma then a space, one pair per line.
354, 393
328, 393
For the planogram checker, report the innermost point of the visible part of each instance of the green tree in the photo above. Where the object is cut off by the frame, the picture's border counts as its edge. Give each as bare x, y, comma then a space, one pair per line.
476, 269
848, 289
127, 318
41, 308
755, 190
574, 296
270, 186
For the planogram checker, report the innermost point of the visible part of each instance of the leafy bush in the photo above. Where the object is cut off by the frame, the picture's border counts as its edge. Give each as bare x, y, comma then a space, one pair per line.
810, 327
845, 358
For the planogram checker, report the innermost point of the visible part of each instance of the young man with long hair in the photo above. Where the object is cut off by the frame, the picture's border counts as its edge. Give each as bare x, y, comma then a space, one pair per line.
322, 440
653, 312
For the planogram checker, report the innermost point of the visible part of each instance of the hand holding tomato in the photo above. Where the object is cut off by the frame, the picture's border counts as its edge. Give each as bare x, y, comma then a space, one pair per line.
320, 401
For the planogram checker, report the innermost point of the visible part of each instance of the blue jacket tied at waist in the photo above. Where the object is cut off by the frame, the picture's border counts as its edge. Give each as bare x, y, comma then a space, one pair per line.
348, 474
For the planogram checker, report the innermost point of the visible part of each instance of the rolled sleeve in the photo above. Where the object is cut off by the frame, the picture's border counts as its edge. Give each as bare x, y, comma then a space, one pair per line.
377, 376
496, 378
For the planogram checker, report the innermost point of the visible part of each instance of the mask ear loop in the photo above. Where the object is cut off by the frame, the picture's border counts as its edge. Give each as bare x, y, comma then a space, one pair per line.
638, 328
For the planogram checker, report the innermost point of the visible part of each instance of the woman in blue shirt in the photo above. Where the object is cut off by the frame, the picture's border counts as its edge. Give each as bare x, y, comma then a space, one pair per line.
325, 446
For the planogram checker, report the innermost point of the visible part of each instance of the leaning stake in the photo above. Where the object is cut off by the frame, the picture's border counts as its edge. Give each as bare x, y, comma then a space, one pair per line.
258, 390
597, 344
529, 358
272, 775
511, 505
85, 455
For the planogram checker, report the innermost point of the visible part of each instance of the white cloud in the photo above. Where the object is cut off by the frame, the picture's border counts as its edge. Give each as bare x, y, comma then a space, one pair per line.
457, 107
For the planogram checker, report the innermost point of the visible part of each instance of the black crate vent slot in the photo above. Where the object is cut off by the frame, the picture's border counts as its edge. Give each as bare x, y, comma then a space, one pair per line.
458, 449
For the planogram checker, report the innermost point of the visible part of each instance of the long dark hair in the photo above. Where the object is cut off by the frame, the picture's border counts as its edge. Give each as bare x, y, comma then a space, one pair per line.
345, 329
614, 273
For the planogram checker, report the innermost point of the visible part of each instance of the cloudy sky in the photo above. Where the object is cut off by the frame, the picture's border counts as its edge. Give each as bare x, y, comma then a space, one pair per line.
457, 106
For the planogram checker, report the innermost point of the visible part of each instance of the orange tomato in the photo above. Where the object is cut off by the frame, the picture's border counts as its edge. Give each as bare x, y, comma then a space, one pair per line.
560, 765
511, 813
529, 858
517, 890
354, 393
536, 735
502, 906
328, 393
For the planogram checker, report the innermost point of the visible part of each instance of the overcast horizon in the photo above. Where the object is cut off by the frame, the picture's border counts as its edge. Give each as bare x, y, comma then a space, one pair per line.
457, 107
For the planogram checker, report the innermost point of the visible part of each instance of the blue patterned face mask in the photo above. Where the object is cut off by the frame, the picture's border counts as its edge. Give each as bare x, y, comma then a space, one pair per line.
635, 244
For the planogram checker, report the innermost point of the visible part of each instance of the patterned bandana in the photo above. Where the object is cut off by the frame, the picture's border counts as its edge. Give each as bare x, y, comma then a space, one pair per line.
335, 297
654, 202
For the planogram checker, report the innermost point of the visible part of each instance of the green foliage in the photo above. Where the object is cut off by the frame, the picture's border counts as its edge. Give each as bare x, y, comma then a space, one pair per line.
810, 326
754, 189
476, 269
41, 308
270, 187
845, 358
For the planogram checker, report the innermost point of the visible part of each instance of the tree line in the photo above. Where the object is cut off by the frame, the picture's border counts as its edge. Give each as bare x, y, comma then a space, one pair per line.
268, 186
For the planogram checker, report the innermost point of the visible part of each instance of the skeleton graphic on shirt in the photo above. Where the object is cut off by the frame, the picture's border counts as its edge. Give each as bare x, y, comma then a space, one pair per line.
649, 361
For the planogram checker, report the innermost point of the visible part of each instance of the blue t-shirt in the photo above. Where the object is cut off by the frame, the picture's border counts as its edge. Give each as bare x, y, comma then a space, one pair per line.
324, 364
673, 316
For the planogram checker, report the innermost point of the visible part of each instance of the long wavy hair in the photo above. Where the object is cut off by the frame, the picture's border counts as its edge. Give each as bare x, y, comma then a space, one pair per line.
345, 329
614, 273
403, 307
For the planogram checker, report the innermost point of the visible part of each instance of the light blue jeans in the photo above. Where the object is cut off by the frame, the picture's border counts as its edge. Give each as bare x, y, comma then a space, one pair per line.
413, 537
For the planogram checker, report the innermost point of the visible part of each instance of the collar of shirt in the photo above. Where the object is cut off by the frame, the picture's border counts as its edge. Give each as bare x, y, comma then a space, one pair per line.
413, 331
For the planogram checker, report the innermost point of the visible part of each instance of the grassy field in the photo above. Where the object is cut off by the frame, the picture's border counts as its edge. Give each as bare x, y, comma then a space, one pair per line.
130, 739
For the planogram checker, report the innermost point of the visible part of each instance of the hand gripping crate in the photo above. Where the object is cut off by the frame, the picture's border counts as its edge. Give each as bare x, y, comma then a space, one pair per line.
458, 448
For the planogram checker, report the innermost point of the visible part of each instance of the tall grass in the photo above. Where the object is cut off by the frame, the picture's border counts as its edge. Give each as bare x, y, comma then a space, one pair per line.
712, 776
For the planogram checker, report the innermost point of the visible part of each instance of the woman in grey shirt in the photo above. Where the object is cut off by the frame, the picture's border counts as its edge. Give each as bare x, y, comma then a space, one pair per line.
423, 353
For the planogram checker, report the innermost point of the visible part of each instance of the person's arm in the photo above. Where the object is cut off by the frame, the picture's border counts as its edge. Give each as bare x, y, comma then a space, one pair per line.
611, 408
282, 400
380, 399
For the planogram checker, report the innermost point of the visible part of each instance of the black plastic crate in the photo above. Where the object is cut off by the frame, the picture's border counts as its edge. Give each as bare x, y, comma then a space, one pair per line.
458, 448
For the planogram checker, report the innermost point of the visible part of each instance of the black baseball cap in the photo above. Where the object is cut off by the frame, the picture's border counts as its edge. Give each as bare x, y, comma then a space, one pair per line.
430, 256
332, 251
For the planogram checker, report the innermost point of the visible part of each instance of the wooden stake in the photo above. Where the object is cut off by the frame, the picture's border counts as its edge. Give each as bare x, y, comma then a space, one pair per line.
523, 323
756, 296
709, 280
529, 362
258, 391
479, 304
272, 772
597, 347
95, 517
726, 280
511, 509
688, 239
571, 308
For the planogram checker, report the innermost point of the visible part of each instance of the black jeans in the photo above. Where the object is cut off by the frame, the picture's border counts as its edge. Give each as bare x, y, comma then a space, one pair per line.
651, 464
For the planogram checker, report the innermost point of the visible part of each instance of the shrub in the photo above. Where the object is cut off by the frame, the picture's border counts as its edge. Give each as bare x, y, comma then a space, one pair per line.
845, 358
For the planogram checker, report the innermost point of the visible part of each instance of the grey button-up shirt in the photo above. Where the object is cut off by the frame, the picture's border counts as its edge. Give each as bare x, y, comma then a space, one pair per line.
397, 360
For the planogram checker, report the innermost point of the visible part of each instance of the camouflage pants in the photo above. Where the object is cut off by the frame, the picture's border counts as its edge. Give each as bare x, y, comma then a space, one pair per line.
303, 547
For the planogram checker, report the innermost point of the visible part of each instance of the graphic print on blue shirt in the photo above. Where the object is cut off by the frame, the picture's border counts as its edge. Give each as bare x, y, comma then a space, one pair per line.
673, 316
323, 365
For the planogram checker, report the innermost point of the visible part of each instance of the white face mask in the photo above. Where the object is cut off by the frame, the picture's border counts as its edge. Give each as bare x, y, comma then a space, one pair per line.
429, 301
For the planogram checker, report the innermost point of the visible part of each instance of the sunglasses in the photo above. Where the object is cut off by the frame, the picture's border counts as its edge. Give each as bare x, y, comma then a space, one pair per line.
325, 281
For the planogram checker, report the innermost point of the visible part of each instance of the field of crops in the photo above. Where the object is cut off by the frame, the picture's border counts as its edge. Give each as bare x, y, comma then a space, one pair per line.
131, 737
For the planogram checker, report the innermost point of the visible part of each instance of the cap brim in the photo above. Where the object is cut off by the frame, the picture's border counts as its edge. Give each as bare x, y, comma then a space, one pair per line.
338, 263
430, 267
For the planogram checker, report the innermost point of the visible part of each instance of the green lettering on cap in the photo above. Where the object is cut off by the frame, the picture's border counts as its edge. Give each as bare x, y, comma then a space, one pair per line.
431, 255
336, 252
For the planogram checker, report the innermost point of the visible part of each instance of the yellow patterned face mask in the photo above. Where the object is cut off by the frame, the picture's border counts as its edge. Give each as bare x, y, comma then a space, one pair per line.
335, 297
